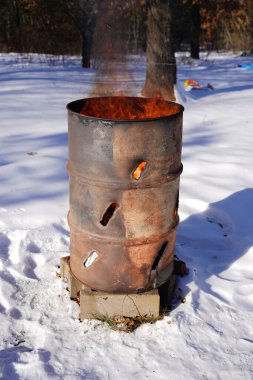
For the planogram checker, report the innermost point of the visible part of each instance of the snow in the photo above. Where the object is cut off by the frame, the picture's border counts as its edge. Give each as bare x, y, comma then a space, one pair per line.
210, 336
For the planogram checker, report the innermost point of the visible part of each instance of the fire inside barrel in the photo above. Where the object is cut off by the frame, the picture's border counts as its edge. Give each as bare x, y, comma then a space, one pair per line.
124, 168
123, 107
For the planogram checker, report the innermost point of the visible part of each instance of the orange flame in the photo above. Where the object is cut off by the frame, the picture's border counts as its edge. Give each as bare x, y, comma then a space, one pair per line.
128, 108
137, 173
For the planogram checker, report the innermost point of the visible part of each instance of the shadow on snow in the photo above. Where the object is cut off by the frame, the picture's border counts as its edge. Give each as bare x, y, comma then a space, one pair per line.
211, 241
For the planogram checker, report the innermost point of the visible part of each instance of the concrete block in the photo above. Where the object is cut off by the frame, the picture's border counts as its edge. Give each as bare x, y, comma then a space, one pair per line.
95, 303
74, 286
64, 267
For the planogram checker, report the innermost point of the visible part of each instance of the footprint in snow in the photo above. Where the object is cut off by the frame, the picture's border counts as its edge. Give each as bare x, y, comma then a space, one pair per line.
4, 247
62, 228
16, 242
33, 247
29, 268
15, 313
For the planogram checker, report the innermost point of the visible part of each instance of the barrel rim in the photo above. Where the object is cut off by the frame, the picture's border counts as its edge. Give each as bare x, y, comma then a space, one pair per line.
75, 102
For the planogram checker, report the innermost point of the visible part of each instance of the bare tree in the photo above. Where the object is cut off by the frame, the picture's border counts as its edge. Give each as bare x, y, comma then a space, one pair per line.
82, 14
195, 29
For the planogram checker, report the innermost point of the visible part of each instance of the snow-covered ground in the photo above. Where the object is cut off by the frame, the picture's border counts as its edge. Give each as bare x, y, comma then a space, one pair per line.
208, 337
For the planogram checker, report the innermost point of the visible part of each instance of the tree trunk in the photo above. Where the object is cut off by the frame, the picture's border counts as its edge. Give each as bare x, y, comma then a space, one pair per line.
87, 36
18, 40
86, 51
161, 63
195, 30
250, 11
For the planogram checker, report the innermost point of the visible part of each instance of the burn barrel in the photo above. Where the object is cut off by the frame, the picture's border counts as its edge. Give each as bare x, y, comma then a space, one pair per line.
124, 173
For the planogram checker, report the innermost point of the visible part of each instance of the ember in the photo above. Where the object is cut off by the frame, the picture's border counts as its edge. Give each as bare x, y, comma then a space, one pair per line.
128, 108
137, 173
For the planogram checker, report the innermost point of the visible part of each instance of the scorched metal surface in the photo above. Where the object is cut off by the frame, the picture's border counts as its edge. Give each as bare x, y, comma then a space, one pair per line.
123, 229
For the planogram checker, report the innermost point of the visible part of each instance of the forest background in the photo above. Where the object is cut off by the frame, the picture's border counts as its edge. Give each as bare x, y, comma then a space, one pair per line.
68, 27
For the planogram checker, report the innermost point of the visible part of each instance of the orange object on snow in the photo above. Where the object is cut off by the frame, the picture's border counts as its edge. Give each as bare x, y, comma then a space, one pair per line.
192, 83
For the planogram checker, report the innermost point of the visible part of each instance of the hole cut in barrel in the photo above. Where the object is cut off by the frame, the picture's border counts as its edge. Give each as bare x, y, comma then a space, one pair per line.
138, 171
109, 213
91, 258
175, 213
159, 256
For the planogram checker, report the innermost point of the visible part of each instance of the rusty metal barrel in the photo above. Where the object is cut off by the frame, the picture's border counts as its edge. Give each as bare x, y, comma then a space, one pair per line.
124, 189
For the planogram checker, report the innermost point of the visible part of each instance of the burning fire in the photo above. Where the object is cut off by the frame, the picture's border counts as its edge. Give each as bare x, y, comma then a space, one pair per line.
137, 173
128, 108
